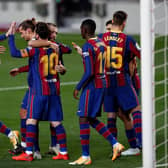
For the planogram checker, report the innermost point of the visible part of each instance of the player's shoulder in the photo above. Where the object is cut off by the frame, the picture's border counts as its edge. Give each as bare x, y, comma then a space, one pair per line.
129, 37
86, 45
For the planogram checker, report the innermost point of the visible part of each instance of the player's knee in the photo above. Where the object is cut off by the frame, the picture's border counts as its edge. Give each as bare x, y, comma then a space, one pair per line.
55, 123
31, 121
124, 116
137, 108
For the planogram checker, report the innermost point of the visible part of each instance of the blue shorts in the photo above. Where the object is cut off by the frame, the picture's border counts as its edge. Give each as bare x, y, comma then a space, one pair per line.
90, 102
123, 97
25, 100
45, 108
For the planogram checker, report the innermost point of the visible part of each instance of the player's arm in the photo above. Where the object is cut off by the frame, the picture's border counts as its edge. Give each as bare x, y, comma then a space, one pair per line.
87, 74
43, 43
16, 52
39, 43
3, 37
132, 66
16, 71
64, 49
134, 47
10, 30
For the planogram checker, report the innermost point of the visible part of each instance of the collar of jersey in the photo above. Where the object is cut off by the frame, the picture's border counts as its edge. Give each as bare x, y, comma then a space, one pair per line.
93, 38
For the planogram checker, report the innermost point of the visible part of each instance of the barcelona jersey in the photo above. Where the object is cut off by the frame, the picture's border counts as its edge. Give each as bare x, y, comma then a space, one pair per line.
121, 48
2, 37
43, 76
93, 54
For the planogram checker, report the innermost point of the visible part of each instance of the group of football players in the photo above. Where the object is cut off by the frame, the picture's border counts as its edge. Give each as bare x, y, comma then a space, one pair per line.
110, 80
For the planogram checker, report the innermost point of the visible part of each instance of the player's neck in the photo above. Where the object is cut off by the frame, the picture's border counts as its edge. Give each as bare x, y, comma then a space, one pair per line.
117, 28
90, 36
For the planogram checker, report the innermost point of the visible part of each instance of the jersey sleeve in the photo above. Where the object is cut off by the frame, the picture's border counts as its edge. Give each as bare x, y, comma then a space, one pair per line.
24, 69
16, 52
64, 49
2, 37
88, 67
134, 48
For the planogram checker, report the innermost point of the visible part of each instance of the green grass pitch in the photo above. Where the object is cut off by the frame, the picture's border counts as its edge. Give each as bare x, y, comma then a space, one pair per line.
9, 114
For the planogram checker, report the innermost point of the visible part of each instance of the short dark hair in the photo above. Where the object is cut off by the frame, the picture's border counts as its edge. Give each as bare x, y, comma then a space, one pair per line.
90, 25
119, 17
29, 23
51, 24
108, 22
42, 30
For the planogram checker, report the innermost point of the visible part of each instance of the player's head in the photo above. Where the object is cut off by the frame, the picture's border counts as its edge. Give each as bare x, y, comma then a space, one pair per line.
42, 31
108, 25
26, 29
54, 31
88, 28
119, 19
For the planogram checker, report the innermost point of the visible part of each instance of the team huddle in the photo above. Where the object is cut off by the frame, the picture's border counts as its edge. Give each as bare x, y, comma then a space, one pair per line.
110, 80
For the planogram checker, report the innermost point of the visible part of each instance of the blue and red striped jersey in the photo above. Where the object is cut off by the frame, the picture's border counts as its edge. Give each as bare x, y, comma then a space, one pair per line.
43, 76
63, 49
2, 37
93, 54
121, 48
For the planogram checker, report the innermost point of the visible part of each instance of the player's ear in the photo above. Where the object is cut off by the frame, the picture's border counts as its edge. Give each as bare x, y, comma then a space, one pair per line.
37, 36
124, 23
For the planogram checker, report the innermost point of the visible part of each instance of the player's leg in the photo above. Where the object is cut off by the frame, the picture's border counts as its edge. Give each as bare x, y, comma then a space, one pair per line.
86, 104
130, 134
23, 117
34, 114
84, 139
54, 146
61, 137
31, 129
104, 131
37, 154
12, 135
109, 106
112, 123
137, 122
136, 113
128, 100
55, 116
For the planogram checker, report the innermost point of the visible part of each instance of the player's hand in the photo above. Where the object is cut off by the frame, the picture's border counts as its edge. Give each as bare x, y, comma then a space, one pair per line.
55, 47
77, 48
75, 94
60, 68
2, 49
12, 29
14, 72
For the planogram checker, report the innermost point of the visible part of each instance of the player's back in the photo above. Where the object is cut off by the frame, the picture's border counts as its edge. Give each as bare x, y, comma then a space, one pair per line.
97, 52
45, 77
121, 48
